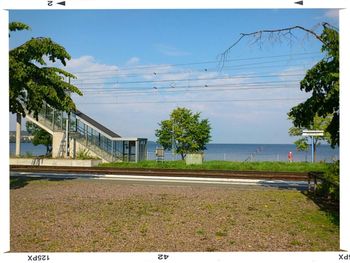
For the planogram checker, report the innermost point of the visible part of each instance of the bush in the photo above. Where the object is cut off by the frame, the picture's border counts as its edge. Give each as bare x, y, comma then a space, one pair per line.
330, 182
84, 155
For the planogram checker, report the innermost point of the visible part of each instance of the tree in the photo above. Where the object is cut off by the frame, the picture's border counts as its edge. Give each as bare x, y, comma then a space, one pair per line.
319, 123
32, 82
322, 79
40, 136
184, 131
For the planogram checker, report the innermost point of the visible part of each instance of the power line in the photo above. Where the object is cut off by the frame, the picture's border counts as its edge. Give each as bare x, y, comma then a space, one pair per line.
202, 89
197, 63
193, 101
190, 71
186, 87
228, 69
126, 94
254, 83
107, 75
196, 79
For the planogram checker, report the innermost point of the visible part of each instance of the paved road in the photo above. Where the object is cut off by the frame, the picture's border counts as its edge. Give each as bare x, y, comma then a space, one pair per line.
299, 185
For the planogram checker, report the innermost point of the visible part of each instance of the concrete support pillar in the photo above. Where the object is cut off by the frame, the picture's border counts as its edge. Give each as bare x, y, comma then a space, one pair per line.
18, 134
72, 148
67, 136
137, 151
57, 144
145, 152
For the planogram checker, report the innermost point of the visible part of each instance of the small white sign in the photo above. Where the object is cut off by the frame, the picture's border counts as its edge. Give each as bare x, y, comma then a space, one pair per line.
313, 133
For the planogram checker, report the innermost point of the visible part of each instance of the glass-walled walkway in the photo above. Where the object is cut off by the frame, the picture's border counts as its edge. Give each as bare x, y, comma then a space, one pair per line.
94, 136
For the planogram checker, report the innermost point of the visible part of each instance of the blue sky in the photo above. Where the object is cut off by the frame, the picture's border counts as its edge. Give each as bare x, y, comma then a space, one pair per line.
135, 66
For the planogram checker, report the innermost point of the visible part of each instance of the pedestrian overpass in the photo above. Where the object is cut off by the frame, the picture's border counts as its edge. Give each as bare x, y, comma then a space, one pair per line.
76, 133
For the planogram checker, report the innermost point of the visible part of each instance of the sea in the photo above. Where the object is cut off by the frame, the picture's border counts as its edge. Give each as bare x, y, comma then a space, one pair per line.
227, 152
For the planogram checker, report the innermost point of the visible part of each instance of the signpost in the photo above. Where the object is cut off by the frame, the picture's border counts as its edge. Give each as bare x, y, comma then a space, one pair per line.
312, 134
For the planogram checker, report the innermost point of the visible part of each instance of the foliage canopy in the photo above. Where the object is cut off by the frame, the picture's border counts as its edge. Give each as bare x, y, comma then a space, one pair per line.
32, 82
185, 131
323, 81
319, 123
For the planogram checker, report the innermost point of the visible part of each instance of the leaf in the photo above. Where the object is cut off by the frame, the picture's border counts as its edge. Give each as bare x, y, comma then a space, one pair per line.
14, 26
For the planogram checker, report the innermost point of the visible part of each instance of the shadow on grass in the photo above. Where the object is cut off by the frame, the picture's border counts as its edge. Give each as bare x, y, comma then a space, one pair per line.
17, 182
330, 207
283, 186
20, 181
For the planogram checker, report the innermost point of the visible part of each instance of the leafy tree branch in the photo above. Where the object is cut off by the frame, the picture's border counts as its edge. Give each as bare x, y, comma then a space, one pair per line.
32, 83
184, 131
322, 80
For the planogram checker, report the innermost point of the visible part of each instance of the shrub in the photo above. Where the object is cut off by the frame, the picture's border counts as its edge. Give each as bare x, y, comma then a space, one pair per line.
84, 154
330, 182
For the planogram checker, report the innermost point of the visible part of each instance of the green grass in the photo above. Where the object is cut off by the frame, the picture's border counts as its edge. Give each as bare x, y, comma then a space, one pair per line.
108, 216
221, 233
226, 165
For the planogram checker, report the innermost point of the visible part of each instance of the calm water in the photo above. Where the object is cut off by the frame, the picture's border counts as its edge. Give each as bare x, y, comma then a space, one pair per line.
228, 152
257, 152
28, 148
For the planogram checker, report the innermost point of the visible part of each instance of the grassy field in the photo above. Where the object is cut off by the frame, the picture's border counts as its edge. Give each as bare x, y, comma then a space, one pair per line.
226, 165
79, 215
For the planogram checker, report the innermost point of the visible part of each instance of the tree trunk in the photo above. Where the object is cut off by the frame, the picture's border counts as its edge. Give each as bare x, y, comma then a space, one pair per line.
183, 156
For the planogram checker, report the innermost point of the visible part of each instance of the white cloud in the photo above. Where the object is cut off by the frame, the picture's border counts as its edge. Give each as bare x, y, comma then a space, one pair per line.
133, 61
87, 66
332, 13
293, 73
171, 51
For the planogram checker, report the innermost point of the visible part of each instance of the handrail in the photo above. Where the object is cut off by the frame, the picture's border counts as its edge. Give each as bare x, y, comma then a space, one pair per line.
95, 148
55, 120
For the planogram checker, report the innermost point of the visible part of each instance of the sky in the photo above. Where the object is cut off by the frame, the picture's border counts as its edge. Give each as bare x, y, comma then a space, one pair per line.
135, 66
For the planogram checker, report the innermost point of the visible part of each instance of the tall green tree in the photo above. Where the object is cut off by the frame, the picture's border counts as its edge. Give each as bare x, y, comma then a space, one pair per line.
32, 82
322, 80
40, 136
184, 131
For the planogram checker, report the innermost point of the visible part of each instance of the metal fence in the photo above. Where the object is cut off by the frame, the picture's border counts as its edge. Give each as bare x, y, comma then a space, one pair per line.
241, 157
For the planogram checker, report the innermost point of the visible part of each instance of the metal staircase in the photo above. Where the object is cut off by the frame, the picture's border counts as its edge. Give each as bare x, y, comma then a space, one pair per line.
96, 149
51, 126
90, 134
47, 119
